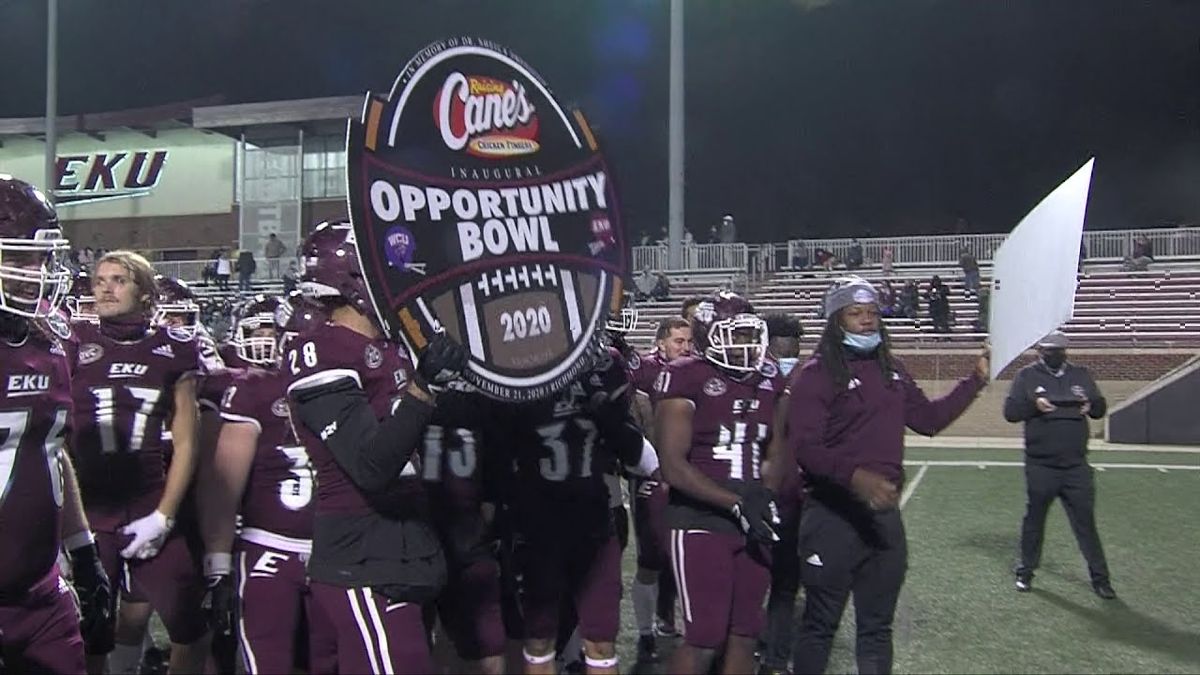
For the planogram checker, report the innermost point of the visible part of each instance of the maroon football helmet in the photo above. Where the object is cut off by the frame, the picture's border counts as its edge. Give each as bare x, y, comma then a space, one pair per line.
295, 315
331, 268
727, 332
251, 341
33, 275
175, 305
81, 302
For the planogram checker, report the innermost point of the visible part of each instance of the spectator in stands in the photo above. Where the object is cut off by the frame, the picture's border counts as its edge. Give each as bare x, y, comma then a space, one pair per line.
291, 278
728, 230
1054, 398
800, 259
1143, 248
662, 287
970, 268
222, 269
245, 268
87, 258
274, 251
644, 238
825, 259
886, 260
645, 283
1142, 255
688, 308
938, 297
887, 299
1082, 254
909, 298
854, 256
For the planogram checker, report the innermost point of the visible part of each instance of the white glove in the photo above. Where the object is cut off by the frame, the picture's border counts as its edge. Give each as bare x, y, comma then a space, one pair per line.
148, 532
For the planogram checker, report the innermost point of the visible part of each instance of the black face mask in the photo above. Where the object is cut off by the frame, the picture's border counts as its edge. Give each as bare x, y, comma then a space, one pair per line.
1054, 358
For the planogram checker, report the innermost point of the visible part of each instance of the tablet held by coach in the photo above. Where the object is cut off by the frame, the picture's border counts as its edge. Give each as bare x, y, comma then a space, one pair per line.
849, 406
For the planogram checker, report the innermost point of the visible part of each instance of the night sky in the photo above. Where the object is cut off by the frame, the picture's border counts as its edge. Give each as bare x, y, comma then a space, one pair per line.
804, 117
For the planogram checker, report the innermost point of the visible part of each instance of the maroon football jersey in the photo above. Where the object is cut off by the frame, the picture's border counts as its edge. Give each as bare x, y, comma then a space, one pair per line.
124, 395
731, 424
35, 419
279, 493
644, 370
328, 353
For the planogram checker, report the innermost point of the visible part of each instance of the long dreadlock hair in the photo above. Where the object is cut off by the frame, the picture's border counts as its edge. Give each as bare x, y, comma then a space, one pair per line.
833, 353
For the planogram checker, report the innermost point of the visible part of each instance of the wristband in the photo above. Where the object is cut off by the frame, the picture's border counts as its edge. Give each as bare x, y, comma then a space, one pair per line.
217, 564
79, 540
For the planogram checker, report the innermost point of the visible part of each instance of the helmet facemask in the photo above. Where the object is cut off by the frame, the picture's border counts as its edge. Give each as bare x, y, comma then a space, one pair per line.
82, 308
261, 350
738, 343
33, 278
182, 316
624, 322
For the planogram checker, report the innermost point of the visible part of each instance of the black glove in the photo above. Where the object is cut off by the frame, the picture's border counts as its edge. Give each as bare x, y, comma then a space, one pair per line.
95, 595
219, 600
607, 389
442, 361
757, 515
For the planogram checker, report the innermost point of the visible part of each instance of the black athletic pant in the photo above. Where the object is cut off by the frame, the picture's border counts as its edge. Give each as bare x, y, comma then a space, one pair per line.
846, 549
1077, 489
781, 603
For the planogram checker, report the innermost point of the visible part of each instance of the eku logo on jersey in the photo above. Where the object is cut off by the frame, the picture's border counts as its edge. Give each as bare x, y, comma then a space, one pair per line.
121, 370
27, 385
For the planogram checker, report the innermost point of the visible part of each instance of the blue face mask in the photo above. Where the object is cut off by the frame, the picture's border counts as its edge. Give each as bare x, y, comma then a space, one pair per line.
864, 343
786, 365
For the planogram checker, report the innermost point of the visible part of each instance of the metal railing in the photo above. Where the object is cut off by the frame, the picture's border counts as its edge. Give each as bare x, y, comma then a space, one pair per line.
760, 259
695, 256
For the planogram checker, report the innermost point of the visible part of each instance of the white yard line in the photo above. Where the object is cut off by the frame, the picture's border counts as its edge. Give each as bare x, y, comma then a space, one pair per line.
1104, 465
912, 486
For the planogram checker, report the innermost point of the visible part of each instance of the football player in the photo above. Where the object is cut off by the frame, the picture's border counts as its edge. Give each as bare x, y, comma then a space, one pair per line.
561, 448
454, 463
40, 510
784, 349
653, 587
175, 307
262, 472
131, 377
714, 415
361, 414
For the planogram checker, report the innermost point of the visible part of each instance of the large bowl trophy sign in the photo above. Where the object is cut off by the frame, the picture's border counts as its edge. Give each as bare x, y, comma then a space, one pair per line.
480, 205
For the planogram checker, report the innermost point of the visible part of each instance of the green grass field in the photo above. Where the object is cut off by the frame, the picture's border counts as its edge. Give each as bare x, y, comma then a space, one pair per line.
959, 612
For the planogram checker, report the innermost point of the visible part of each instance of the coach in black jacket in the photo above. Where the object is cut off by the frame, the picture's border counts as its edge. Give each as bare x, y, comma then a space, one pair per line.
1054, 398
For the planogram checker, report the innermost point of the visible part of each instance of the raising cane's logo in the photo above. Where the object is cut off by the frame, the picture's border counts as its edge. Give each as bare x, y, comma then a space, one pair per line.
488, 117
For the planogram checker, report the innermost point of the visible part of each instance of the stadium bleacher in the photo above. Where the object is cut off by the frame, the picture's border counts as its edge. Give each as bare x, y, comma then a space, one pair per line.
1152, 308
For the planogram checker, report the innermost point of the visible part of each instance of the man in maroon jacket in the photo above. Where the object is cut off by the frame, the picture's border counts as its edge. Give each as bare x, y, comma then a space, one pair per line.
849, 406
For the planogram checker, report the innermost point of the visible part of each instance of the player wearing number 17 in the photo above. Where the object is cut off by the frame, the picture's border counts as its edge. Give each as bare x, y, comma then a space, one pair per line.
714, 418
130, 377
39, 630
